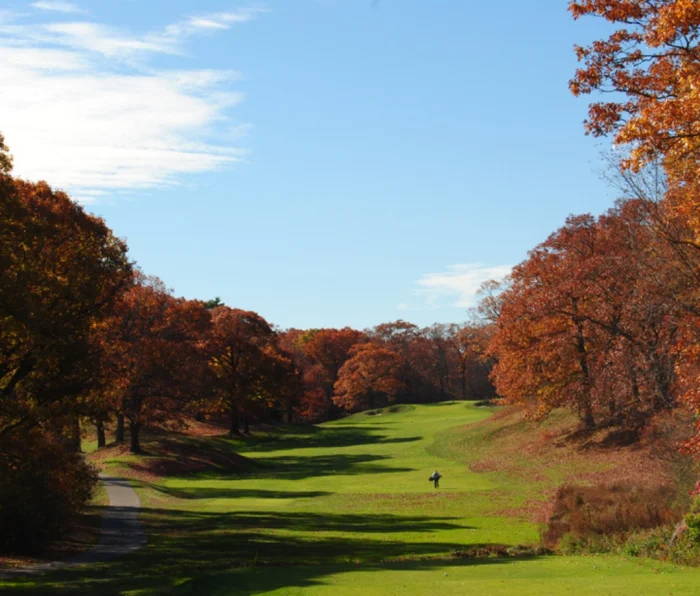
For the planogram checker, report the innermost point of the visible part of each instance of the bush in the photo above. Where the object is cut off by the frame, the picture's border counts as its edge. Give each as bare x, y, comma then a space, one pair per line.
43, 488
596, 517
692, 522
652, 543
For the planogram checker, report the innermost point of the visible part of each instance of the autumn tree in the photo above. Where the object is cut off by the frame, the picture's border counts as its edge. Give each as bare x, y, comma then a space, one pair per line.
285, 386
467, 345
307, 400
242, 357
436, 361
369, 378
542, 344
154, 356
429, 369
325, 351
652, 61
60, 271
591, 320
397, 336
407, 340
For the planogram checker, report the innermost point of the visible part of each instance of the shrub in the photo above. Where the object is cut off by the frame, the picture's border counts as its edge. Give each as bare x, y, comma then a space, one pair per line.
43, 488
692, 522
649, 543
597, 516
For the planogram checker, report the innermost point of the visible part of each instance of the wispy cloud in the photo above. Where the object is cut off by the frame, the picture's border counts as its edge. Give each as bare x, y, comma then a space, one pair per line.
100, 39
208, 23
82, 107
65, 7
455, 287
224, 20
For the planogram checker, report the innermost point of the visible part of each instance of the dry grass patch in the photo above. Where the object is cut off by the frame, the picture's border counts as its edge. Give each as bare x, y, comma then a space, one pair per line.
584, 512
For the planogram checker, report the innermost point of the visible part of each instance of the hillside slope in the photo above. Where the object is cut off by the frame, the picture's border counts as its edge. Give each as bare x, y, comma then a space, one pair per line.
531, 459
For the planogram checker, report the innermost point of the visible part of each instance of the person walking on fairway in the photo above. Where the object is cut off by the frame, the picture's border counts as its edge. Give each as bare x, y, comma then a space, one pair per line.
435, 477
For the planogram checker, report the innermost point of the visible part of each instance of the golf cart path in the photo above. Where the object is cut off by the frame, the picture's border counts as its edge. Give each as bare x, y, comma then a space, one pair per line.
120, 530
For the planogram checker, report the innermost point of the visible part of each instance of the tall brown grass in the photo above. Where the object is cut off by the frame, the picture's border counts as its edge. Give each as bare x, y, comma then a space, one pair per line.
590, 512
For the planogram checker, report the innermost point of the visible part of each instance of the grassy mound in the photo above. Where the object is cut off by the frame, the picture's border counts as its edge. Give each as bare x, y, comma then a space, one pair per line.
172, 455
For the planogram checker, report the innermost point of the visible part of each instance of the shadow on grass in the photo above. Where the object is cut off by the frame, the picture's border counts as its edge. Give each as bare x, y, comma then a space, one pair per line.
198, 553
240, 530
314, 437
298, 467
229, 493
286, 467
162, 521
261, 579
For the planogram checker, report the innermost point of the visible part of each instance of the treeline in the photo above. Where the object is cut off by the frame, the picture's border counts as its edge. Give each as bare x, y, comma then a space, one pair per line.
346, 369
600, 318
86, 337
604, 317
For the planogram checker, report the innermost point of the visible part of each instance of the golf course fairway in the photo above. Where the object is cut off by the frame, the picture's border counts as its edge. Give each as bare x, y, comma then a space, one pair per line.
346, 508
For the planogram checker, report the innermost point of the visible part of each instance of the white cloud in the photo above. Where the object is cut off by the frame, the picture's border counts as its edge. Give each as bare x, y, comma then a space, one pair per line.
66, 7
206, 24
40, 59
82, 109
104, 40
456, 287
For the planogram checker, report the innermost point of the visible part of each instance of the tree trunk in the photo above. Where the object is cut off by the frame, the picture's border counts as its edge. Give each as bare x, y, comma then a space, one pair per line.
464, 380
246, 428
119, 434
290, 412
75, 434
135, 431
234, 431
585, 405
663, 399
101, 438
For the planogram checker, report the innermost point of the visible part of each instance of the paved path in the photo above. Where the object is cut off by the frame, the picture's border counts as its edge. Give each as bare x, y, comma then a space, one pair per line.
120, 531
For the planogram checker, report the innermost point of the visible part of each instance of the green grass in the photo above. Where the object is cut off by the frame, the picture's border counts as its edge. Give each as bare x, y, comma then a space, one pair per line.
346, 507
501, 577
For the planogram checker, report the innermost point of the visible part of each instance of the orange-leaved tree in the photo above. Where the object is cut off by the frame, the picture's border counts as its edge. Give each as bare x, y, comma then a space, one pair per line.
325, 352
652, 59
154, 360
543, 342
60, 270
591, 320
369, 378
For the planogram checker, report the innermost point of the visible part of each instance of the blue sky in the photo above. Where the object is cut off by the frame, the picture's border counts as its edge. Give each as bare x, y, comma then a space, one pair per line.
323, 162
